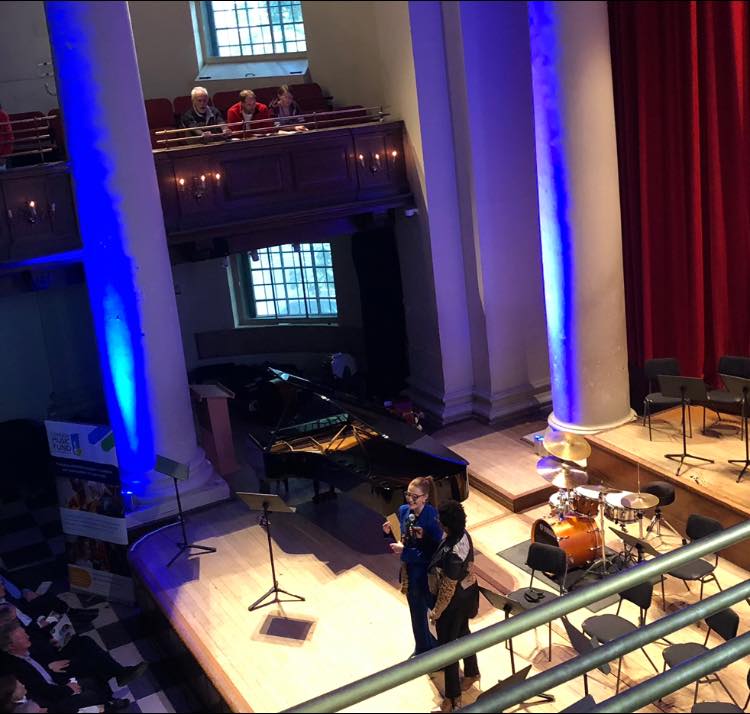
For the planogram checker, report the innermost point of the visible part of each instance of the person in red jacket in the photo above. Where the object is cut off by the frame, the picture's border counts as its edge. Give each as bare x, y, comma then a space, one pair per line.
6, 138
247, 110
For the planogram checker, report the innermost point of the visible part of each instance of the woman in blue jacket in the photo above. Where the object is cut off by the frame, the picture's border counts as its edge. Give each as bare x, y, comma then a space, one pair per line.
420, 534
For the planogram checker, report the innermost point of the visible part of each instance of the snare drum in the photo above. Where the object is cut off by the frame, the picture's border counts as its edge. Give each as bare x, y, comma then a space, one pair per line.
586, 501
578, 536
615, 511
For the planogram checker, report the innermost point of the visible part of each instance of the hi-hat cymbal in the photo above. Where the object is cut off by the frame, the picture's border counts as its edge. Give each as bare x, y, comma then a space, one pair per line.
559, 474
567, 446
640, 501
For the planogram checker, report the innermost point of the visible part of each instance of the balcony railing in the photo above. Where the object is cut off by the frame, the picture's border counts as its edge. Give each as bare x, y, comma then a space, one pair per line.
631, 700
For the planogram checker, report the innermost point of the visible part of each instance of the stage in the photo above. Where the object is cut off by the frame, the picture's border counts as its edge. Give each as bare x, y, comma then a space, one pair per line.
619, 455
501, 464
354, 621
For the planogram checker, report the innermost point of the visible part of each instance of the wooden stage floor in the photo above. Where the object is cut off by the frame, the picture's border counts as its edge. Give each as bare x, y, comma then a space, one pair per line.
621, 455
501, 464
355, 619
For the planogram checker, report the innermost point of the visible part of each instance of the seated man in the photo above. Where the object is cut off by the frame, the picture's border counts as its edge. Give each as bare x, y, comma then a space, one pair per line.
203, 115
247, 110
82, 653
50, 685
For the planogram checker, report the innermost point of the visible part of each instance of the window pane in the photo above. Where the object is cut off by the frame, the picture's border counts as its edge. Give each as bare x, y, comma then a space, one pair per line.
257, 27
281, 292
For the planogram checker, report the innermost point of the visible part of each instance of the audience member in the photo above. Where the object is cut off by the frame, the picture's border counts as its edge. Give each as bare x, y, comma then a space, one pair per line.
13, 699
285, 110
84, 655
51, 684
6, 139
31, 606
202, 114
247, 110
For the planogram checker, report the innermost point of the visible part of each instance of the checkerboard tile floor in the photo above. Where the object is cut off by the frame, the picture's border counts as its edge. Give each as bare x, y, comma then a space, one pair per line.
32, 549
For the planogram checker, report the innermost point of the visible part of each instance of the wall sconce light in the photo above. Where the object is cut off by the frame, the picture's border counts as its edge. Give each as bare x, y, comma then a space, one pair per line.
199, 185
32, 213
373, 163
361, 159
254, 255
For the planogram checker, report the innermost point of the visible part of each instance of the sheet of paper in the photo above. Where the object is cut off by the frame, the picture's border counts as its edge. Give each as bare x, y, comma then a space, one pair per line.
43, 587
395, 526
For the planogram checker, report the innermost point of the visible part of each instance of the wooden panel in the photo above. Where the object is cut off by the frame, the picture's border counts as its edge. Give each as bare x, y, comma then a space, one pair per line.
50, 226
278, 338
325, 166
254, 176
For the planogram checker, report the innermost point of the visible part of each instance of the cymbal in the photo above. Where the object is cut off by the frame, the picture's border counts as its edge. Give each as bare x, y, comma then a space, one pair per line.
567, 446
640, 502
560, 474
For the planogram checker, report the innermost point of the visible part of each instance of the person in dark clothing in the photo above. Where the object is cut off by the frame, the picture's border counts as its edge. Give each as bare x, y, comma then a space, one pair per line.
50, 684
421, 533
205, 119
85, 655
453, 583
285, 110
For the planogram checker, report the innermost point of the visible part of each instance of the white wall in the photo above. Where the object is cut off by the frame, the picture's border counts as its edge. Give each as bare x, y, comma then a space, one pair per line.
204, 302
342, 52
50, 348
23, 37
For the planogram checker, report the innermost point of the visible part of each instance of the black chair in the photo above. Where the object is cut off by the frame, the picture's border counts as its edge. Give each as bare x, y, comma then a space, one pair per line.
548, 559
723, 401
581, 706
721, 707
665, 493
724, 623
605, 628
697, 570
653, 368
582, 645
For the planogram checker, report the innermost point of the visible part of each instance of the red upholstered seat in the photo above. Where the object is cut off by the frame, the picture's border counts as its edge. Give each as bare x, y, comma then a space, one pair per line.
223, 100
310, 97
159, 113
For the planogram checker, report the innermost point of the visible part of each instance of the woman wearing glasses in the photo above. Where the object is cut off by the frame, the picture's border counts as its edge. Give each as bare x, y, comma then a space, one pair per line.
420, 535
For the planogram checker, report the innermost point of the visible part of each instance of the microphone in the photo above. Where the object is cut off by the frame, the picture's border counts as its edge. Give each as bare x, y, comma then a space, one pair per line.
410, 526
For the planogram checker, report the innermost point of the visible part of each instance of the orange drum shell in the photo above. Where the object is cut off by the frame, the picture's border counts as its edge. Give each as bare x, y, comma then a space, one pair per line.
578, 536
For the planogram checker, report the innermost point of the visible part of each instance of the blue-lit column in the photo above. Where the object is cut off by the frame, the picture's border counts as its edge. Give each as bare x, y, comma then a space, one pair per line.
125, 253
579, 206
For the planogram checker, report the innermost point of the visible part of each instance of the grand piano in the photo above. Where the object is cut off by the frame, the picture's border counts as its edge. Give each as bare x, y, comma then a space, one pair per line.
304, 430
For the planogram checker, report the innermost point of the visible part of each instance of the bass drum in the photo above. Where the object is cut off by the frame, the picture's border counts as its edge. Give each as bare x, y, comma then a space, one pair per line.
578, 536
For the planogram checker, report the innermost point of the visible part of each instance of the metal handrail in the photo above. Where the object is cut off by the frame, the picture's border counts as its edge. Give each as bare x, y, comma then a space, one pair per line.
677, 677
495, 634
611, 651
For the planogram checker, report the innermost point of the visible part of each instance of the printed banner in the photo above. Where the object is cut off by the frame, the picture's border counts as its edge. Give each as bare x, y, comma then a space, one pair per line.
92, 511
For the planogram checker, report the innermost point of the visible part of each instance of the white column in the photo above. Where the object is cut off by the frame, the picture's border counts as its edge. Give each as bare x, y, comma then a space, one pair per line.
576, 155
126, 259
487, 46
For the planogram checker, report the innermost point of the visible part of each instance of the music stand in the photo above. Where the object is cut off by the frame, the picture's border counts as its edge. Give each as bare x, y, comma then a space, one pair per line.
269, 503
740, 387
509, 607
503, 684
686, 389
179, 472
630, 541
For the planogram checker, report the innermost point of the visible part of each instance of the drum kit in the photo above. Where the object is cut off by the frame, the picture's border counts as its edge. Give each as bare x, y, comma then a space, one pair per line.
578, 510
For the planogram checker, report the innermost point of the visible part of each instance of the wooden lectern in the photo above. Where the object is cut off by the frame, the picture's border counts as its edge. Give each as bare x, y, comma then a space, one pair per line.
214, 427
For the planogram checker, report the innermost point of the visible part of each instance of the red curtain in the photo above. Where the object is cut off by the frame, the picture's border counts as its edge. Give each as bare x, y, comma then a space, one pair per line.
681, 75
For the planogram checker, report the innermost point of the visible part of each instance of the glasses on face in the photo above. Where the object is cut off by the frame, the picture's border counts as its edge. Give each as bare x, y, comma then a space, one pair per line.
414, 496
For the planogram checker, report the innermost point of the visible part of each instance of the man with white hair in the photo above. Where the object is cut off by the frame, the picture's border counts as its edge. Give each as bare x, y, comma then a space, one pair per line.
202, 114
